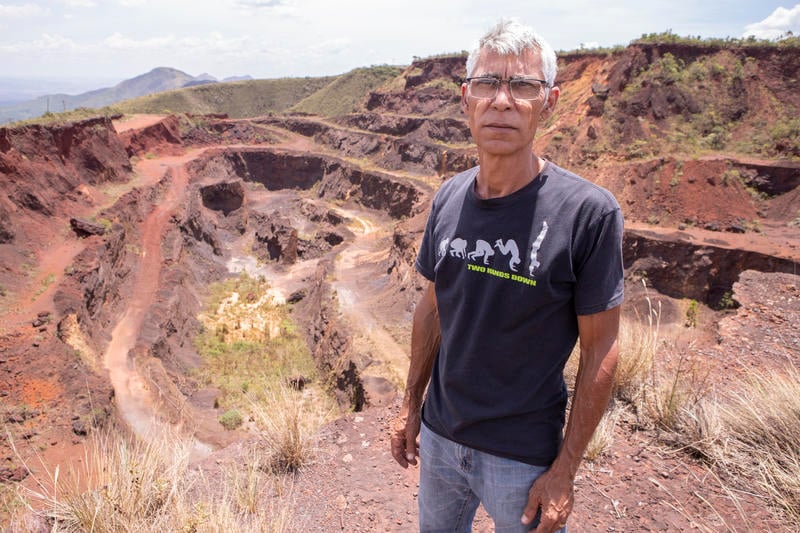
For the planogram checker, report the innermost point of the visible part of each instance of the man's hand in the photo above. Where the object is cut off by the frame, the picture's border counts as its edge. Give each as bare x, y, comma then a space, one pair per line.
404, 436
552, 492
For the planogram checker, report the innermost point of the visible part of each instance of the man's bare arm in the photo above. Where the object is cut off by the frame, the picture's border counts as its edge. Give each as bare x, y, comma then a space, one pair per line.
425, 338
553, 491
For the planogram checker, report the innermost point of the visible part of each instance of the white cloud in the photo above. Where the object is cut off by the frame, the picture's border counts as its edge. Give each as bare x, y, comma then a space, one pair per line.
21, 11
120, 42
331, 46
261, 3
46, 42
776, 25
79, 3
132, 3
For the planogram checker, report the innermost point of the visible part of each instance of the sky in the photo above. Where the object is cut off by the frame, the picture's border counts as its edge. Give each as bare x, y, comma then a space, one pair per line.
114, 40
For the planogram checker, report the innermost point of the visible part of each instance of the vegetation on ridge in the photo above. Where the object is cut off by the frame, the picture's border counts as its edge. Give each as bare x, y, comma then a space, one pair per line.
346, 93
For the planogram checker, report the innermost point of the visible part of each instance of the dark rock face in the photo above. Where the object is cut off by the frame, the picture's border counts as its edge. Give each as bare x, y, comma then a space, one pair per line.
276, 239
370, 189
396, 125
84, 228
338, 180
329, 340
6, 228
276, 170
199, 226
422, 71
226, 196
703, 272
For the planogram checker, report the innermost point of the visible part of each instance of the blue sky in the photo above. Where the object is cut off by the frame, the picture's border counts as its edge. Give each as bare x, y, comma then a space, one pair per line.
117, 39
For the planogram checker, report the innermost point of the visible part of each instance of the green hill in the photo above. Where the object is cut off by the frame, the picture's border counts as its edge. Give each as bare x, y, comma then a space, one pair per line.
346, 93
238, 99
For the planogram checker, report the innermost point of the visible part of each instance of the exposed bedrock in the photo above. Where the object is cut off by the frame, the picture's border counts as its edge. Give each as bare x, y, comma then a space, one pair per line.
163, 137
331, 341
98, 281
338, 180
773, 178
42, 167
6, 226
277, 236
676, 267
393, 141
199, 224
225, 196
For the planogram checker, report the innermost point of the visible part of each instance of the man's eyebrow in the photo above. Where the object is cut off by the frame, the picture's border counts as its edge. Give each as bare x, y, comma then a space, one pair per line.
499, 76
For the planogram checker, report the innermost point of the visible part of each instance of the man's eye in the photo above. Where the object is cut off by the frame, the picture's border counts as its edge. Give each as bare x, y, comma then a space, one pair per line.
526, 85
485, 84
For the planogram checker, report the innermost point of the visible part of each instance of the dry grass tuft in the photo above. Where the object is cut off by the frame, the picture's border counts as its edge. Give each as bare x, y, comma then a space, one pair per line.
133, 485
122, 485
638, 345
761, 434
603, 435
287, 420
673, 392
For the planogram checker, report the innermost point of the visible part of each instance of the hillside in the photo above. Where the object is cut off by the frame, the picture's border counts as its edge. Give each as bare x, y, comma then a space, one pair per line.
235, 293
157, 80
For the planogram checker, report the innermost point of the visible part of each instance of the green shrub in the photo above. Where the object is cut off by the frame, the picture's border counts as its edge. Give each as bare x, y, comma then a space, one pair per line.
230, 419
691, 314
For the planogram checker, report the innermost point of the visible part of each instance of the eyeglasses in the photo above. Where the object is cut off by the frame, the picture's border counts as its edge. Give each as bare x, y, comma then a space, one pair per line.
486, 87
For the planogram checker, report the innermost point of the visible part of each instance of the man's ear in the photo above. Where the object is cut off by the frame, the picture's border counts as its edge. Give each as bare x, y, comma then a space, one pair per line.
464, 101
550, 103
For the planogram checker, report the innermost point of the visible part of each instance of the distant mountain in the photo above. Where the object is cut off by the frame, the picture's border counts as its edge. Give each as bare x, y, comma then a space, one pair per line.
157, 80
194, 83
238, 78
14, 90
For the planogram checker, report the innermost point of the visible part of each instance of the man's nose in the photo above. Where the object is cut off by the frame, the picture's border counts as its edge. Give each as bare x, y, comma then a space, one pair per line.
503, 97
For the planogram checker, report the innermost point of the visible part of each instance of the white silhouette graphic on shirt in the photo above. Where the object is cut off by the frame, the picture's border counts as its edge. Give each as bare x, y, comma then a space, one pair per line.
458, 248
535, 249
510, 247
443, 247
482, 249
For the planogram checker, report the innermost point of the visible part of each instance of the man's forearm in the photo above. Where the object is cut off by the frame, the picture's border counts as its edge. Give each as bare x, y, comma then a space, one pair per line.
425, 338
593, 386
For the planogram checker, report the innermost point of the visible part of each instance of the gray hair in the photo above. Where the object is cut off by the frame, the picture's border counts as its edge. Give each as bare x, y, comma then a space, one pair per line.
509, 36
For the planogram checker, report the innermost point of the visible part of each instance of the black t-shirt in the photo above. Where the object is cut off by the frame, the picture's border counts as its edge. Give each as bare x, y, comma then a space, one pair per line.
511, 275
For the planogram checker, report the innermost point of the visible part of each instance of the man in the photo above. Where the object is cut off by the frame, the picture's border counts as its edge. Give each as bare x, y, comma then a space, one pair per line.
523, 258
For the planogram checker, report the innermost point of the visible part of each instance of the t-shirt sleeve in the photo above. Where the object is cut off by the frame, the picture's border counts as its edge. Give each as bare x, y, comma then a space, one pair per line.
426, 257
599, 269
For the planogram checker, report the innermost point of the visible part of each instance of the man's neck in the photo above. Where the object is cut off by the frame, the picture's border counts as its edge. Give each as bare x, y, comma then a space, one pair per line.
503, 175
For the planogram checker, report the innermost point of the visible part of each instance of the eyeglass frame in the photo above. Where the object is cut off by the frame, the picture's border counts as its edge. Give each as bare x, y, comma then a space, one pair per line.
507, 81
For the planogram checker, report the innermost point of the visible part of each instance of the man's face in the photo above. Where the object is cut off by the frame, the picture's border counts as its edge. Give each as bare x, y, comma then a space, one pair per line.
503, 125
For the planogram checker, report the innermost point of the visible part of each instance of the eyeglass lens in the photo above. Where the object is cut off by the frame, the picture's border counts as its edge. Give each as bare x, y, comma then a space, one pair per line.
520, 89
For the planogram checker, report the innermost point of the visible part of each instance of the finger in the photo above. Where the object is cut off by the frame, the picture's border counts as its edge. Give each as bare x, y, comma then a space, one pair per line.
399, 451
411, 450
532, 510
549, 522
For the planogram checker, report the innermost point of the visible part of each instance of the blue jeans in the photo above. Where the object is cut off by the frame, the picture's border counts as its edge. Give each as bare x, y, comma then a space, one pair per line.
454, 479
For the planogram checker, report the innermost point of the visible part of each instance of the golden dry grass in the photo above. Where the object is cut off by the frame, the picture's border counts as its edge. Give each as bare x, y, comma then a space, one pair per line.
126, 484
760, 434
